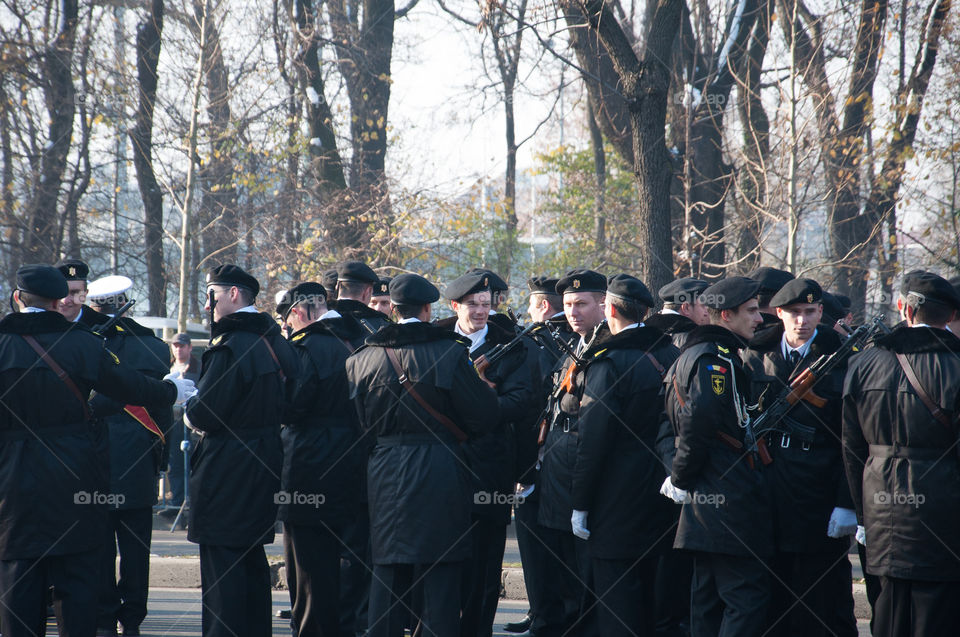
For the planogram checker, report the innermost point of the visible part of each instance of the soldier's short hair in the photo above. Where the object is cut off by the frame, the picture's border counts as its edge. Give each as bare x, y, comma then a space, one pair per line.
929, 311
406, 310
554, 300
32, 300
630, 310
351, 288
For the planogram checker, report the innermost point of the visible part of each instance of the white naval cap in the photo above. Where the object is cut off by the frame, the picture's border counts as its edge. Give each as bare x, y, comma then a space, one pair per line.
104, 289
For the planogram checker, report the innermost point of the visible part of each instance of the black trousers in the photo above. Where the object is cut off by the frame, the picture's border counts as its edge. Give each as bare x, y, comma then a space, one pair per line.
674, 573
729, 596
312, 560
23, 594
236, 591
872, 583
626, 602
569, 607
439, 609
125, 600
533, 557
806, 596
356, 569
481, 577
910, 608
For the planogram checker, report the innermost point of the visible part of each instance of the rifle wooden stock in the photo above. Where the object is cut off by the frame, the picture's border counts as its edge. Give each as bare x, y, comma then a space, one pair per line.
802, 389
542, 433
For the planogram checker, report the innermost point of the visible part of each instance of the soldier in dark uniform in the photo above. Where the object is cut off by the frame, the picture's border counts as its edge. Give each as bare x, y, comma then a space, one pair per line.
320, 483
498, 296
329, 282
417, 467
75, 272
813, 510
380, 299
492, 455
682, 309
186, 364
900, 401
355, 282
235, 471
770, 280
52, 500
136, 449
727, 516
569, 567
618, 473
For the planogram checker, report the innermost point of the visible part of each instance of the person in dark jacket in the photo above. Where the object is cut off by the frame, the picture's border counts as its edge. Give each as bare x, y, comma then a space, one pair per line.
248, 371
136, 450
419, 481
770, 280
380, 298
727, 516
320, 481
569, 568
617, 476
492, 455
682, 309
900, 402
355, 283
52, 476
75, 272
813, 510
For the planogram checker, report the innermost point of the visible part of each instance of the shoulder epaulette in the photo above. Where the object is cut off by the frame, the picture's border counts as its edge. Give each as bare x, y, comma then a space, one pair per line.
297, 337
216, 341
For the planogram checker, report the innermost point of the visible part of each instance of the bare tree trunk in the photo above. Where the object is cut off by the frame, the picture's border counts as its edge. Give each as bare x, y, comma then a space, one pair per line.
39, 244
141, 137
600, 175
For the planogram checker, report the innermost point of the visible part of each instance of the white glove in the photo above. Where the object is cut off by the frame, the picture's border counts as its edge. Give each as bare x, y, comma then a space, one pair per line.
842, 522
674, 493
862, 535
579, 522
185, 388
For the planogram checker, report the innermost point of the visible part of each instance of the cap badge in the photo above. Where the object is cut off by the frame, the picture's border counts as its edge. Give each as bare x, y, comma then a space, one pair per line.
576, 283
810, 298
72, 270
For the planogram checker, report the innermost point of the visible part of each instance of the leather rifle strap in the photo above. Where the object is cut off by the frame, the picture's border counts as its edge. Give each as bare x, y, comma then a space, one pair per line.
62, 375
657, 365
938, 413
273, 355
408, 386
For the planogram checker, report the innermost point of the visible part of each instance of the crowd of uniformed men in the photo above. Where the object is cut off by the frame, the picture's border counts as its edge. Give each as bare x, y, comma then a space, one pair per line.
396, 449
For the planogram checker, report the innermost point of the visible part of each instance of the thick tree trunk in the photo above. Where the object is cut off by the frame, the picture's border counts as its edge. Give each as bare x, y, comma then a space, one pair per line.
39, 242
600, 177
141, 137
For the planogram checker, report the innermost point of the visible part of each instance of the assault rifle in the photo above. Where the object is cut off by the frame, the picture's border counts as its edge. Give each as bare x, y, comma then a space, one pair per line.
776, 417
483, 363
103, 330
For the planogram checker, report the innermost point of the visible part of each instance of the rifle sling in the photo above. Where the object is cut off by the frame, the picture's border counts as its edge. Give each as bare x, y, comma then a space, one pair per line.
62, 375
273, 355
934, 408
408, 386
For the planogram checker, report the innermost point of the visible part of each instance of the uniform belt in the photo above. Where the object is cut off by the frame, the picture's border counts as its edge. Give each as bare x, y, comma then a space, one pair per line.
398, 440
913, 453
44, 432
785, 441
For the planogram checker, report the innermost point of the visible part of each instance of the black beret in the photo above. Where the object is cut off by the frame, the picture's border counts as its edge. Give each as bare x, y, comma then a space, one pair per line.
309, 291
832, 308
497, 284
770, 279
329, 280
73, 269
629, 288
797, 291
356, 272
582, 280
730, 293
43, 280
928, 286
412, 289
230, 275
845, 302
542, 285
469, 283
681, 291
382, 288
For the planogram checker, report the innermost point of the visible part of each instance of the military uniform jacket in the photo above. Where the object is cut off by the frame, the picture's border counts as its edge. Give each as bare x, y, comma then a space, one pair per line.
901, 462
322, 457
136, 454
618, 473
677, 326
369, 319
419, 485
52, 499
559, 453
235, 469
731, 510
808, 481
493, 455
